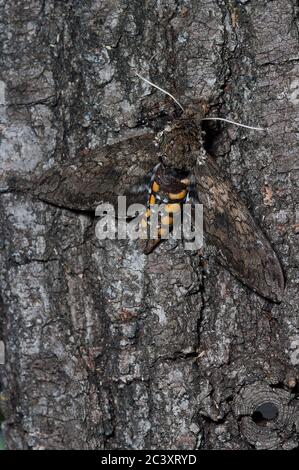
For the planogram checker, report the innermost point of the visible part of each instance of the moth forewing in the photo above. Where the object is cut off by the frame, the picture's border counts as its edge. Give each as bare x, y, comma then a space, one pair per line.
241, 246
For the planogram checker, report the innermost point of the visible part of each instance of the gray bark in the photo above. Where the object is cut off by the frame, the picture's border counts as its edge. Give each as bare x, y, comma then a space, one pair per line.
105, 347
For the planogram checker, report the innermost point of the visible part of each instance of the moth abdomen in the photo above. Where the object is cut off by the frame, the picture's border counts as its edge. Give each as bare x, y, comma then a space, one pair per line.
169, 190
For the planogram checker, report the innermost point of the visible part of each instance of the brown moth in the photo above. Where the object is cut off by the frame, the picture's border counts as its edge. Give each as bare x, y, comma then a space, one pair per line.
115, 169
240, 245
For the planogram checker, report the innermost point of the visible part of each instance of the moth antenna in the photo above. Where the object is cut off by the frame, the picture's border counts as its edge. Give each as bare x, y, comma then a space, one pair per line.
233, 122
203, 119
161, 89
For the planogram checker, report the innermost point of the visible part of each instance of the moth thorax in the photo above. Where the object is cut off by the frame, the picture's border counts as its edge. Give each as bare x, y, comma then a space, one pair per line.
180, 144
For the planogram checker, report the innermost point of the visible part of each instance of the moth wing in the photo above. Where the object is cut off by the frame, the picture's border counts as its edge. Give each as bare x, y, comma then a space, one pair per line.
101, 175
138, 192
241, 246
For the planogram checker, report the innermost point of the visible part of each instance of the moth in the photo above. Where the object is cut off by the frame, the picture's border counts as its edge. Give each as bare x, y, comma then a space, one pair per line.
239, 243
186, 172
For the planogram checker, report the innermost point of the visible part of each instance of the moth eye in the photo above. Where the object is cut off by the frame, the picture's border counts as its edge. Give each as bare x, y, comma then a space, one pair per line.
155, 187
172, 208
176, 196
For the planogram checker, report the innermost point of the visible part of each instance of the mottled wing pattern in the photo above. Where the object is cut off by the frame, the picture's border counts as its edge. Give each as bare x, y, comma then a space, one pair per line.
100, 175
138, 193
229, 227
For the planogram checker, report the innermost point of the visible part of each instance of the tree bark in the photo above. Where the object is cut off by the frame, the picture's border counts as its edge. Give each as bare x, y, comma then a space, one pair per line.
106, 348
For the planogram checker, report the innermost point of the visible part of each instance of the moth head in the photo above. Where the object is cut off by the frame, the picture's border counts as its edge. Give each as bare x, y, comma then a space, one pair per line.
196, 111
170, 109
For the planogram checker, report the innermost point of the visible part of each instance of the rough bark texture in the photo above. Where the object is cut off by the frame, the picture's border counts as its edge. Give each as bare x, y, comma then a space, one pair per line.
105, 347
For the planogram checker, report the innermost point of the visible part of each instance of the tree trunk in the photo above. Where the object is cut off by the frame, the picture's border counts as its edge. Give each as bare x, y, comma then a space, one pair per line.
105, 347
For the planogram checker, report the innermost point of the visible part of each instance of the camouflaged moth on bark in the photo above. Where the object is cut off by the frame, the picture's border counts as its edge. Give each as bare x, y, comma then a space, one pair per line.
115, 169
239, 243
